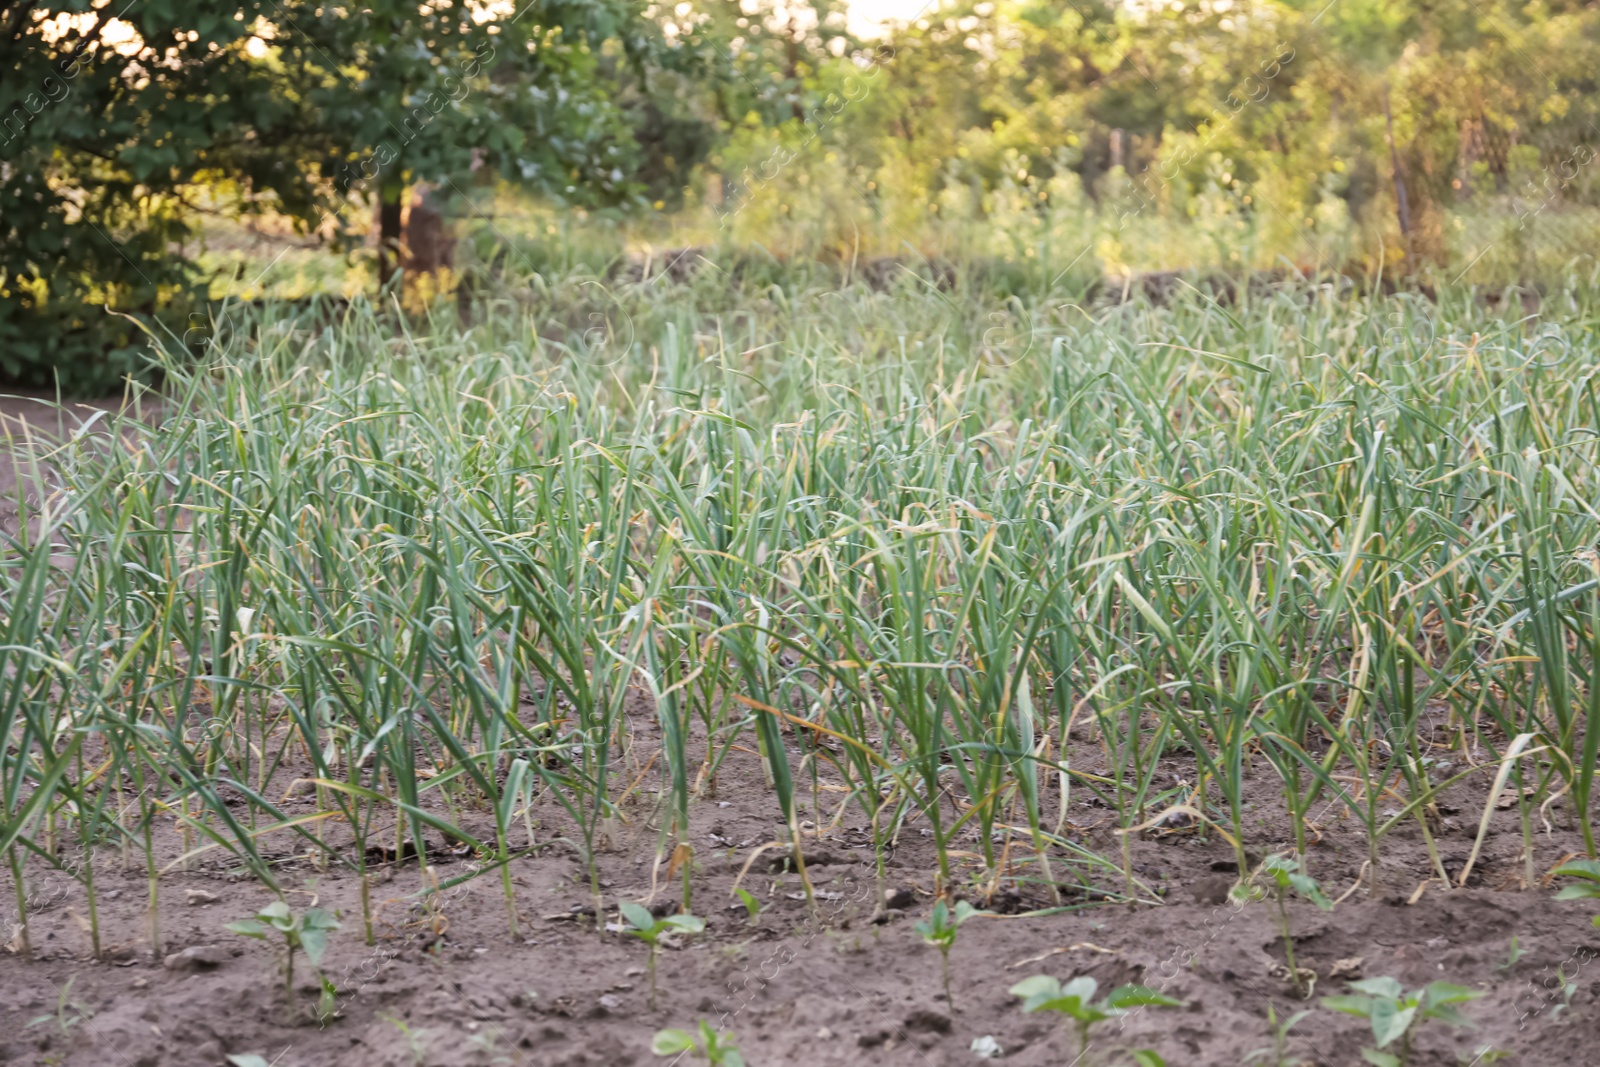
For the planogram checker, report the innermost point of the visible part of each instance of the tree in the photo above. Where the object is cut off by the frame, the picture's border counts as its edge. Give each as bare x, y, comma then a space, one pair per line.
113, 120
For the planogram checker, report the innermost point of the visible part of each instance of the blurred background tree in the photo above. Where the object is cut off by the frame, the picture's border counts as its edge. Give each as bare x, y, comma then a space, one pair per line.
120, 127
1097, 136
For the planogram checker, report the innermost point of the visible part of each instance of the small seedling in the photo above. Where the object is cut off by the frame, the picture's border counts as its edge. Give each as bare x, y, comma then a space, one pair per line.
487, 1040
716, 1049
1588, 889
1279, 1052
1396, 1015
307, 932
752, 906
650, 930
1287, 880
1076, 1001
68, 1012
939, 930
1515, 953
414, 1040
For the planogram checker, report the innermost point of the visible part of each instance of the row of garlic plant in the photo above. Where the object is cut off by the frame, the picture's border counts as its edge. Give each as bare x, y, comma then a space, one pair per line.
443, 580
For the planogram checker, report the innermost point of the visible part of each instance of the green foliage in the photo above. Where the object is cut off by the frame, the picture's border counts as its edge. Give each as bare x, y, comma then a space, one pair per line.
1229, 135
114, 130
752, 906
1586, 889
1285, 872
715, 1048
1245, 136
68, 1014
1396, 1015
306, 932
437, 570
647, 928
939, 930
1076, 1001
1286, 879
1277, 1055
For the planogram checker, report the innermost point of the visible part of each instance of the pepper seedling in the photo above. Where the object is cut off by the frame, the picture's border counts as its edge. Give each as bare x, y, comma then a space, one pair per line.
716, 1049
1588, 889
1075, 1000
1396, 1015
308, 932
1288, 880
647, 928
939, 930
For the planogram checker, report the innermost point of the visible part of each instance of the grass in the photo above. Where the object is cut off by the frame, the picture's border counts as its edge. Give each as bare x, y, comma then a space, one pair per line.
970, 581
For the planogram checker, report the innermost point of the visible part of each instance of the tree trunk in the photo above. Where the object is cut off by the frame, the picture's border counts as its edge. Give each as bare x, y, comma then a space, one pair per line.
390, 199
1402, 203
427, 242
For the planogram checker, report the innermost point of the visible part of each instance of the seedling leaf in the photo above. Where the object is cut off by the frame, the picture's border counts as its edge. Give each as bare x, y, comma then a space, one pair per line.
1441, 993
691, 924
1307, 887
1379, 987
671, 1042
638, 915
1579, 892
1587, 869
1029, 988
248, 928
1349, 1004
1389, 1020
1138, 996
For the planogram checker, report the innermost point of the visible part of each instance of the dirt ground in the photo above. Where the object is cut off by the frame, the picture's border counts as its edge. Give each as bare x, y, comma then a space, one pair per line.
453, 987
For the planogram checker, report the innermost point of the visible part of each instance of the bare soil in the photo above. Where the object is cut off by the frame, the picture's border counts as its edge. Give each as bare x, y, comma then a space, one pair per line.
449, 985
